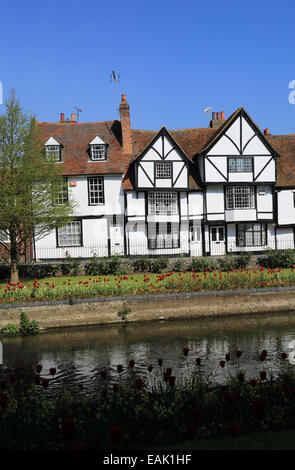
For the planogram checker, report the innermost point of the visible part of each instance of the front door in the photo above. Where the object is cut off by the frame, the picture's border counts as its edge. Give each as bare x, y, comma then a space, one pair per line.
217, 238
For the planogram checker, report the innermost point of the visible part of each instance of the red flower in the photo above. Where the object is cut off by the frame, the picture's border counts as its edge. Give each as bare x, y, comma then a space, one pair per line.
68, 429
227, 357
3, 399
37, 379
38, 368
160, 362
103, 374
241, 377
197, 417
258, 407
166, 376
115, 387
150, 368
185, 351
284, 356
222, 364
263, 375
132, 363
169, 371
115, 433
253, 382
104, 392
45, 383
233, 428
263, 355
238, 353
138, 383
120, 368
12, 377
198, 361
191, 430
171, 380
52, 371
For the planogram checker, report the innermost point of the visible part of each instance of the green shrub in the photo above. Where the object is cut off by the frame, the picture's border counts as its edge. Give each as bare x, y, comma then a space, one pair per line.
4, 271
141, 264
243, 259
201, 264
158, 265
91, 268
123, 313
227, 263
28, 327
179, 265
10, 330
278, 259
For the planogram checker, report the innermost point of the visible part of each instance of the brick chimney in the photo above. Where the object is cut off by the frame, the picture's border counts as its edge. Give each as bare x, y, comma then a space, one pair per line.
126, 132
217, 119
62, 117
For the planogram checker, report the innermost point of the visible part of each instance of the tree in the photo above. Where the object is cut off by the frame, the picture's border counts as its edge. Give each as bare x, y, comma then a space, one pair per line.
30, 186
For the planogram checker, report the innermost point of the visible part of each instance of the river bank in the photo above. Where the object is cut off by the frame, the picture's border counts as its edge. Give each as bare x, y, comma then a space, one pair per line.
196, 305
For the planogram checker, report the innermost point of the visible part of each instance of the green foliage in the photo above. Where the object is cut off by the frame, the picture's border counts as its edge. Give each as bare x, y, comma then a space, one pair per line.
104, 266
123, 313
179, 265
70, 266
28, 327
278, 259
30, 184
158, 265
10, 330
201, 264
141, 264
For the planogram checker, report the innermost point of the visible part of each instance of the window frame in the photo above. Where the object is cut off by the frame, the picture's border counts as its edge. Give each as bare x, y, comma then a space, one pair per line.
92, 149
66, 189
262, 231
236, 192
239, 159
89, 191
78, 221
168, 165
48, 153
157, 203
164, 239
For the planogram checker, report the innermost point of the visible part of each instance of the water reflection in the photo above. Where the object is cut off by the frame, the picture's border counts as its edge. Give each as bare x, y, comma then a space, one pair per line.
80, 354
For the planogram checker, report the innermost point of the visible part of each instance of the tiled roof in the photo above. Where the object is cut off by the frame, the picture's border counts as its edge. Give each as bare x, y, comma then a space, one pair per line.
285, 146
75, 139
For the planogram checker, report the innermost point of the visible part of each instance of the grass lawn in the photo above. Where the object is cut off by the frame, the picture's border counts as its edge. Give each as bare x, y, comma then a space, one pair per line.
143, 284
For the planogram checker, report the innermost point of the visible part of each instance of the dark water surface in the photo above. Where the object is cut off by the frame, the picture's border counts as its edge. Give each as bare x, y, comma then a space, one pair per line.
79, 354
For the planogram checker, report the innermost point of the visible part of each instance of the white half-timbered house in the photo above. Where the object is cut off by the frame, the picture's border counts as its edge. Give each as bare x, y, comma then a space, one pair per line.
200, 191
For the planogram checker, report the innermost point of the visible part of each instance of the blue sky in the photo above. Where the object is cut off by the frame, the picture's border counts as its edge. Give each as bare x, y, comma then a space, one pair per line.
174, 59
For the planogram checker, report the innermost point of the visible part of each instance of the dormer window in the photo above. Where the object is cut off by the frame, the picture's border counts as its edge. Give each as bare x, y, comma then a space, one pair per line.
98, 149
53, 150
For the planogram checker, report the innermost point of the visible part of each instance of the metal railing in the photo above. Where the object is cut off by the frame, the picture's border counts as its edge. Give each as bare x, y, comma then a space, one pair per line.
176, 247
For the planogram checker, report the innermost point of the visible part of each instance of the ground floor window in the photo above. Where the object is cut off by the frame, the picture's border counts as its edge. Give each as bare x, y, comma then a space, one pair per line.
251, 234
70, 234
163, 235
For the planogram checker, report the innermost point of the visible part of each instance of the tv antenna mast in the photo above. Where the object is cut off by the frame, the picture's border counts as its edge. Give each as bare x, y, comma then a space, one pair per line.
78, 111
207, 111
115, 78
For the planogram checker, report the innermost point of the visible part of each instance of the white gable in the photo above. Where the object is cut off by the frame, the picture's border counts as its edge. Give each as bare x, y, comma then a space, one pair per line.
97, 141
51, 141
240, 139
162, 149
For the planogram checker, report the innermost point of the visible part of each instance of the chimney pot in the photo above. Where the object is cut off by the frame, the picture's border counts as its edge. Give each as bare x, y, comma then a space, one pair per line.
62, 116
218, 116
73, 117
123, 98
213, 116
222, 115
266, 131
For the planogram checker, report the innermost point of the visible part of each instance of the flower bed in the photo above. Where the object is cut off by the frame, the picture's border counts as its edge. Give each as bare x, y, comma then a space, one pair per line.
163, 410
144, 284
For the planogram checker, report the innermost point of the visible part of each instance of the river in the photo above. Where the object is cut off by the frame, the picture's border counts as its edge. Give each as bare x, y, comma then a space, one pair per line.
79, 354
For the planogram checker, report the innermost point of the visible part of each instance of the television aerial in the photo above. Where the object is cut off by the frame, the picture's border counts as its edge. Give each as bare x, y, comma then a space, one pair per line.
207, 110
115, 78
78, 111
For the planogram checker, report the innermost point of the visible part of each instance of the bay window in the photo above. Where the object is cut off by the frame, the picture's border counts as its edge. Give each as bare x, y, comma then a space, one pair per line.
251, 234
162, 203
240, 197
